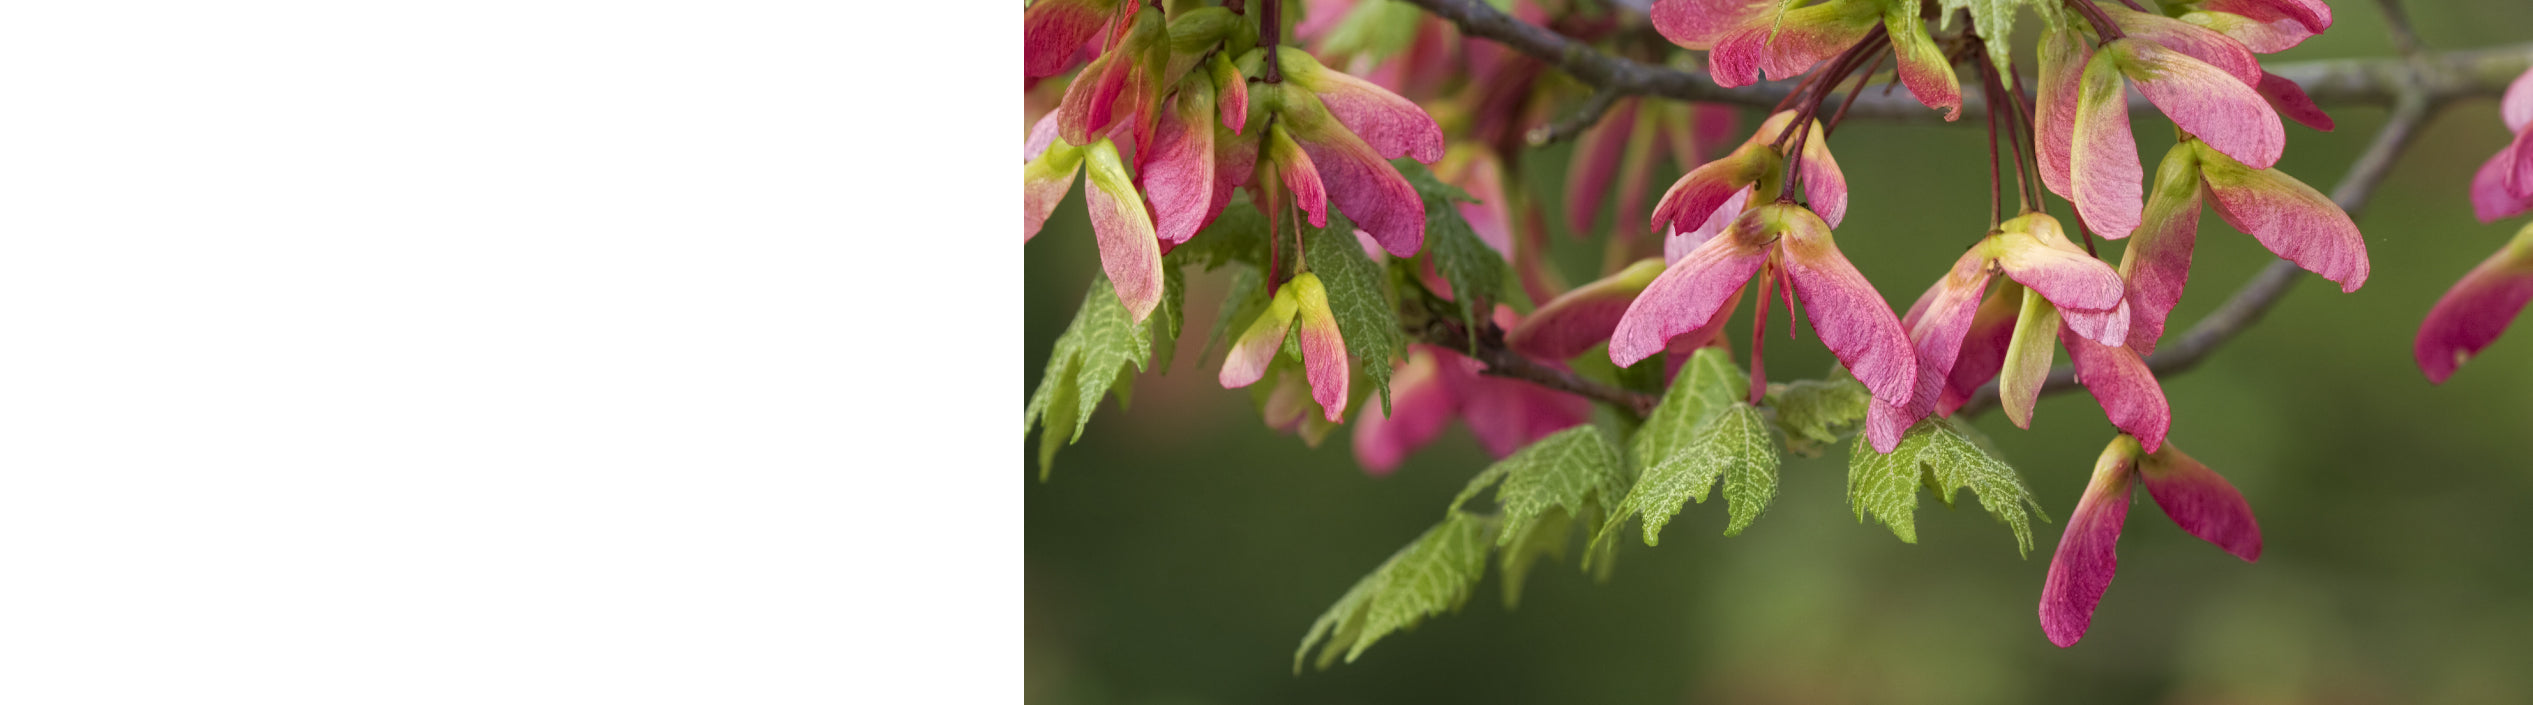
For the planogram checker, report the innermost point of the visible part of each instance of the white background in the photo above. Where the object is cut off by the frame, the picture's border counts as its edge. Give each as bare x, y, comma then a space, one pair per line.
508, 352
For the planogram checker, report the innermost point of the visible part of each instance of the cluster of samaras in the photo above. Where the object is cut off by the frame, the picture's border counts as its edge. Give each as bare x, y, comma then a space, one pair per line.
1182, 109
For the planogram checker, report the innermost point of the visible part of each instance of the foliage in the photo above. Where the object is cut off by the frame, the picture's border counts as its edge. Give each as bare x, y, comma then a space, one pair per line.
1475, 271
1995, 18
1943, 456
1815, 413
1432, 575
1542, 492
1233, 141
1700, 433
1359, 294
1101, 345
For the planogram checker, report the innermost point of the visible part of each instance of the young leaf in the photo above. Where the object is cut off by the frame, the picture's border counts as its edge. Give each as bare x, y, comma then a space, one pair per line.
1814, 413
1359, 296
1995, 20
1737, 439
1432, 575
1169, 317
1943, 456
1377, 30
1709, 382
1574, 472
1102, 340
1541, 492
1475, 271
1522, 547
1731, 444
1238, 235
1430, 187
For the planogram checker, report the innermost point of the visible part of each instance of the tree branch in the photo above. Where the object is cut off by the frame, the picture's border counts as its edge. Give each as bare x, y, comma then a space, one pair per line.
2414, 84
1583, 118
2440, 76
1445, 331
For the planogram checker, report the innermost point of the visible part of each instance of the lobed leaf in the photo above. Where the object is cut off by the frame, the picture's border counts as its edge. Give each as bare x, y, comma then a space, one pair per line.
1731, 444
1089, 359
1995, 21
1575, 472
1814, 413
1432, 575
1429, 186
1474, 270
1239, 235
1522, 547
1169, 317
1709, 382
1944, 456
1359, 295
1736, 444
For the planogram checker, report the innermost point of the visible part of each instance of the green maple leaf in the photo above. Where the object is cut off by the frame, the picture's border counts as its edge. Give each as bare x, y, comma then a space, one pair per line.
1573, 472
1815, 413
1941, 455
1709, 382
1476, 272
1359, 295
1102, 346
1434, 574
1732, 445
1995, 22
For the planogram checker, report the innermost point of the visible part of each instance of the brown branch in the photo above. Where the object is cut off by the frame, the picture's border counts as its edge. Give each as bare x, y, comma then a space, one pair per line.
2441, 76
2405, 41
1573, 124
1445, 330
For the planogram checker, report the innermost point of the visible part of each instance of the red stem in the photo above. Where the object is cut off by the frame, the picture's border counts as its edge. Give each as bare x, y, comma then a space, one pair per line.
1759, 337
2102, 25
1271, 34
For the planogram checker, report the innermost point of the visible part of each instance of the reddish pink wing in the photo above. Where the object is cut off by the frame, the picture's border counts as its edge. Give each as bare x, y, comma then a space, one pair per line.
2491, 199
1393, 126
2063, 56
1363, 185
1324, 358
2120, 381
2291, 103
2477, 310
1844, 309
2102, 160
1128, 248
2205, 101
1584, 317
1052, 30
1687, 295
1595, 166
1179, 177
2202, 502
2088, 554
2288, 217
2157, 264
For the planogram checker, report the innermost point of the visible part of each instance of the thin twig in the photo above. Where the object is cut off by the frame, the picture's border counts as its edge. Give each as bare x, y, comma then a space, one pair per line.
2405, 41
1445, 331
1863, 79
2454, 74
1573, 124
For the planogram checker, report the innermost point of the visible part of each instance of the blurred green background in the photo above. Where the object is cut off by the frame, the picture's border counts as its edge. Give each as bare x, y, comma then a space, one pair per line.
1181, 550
